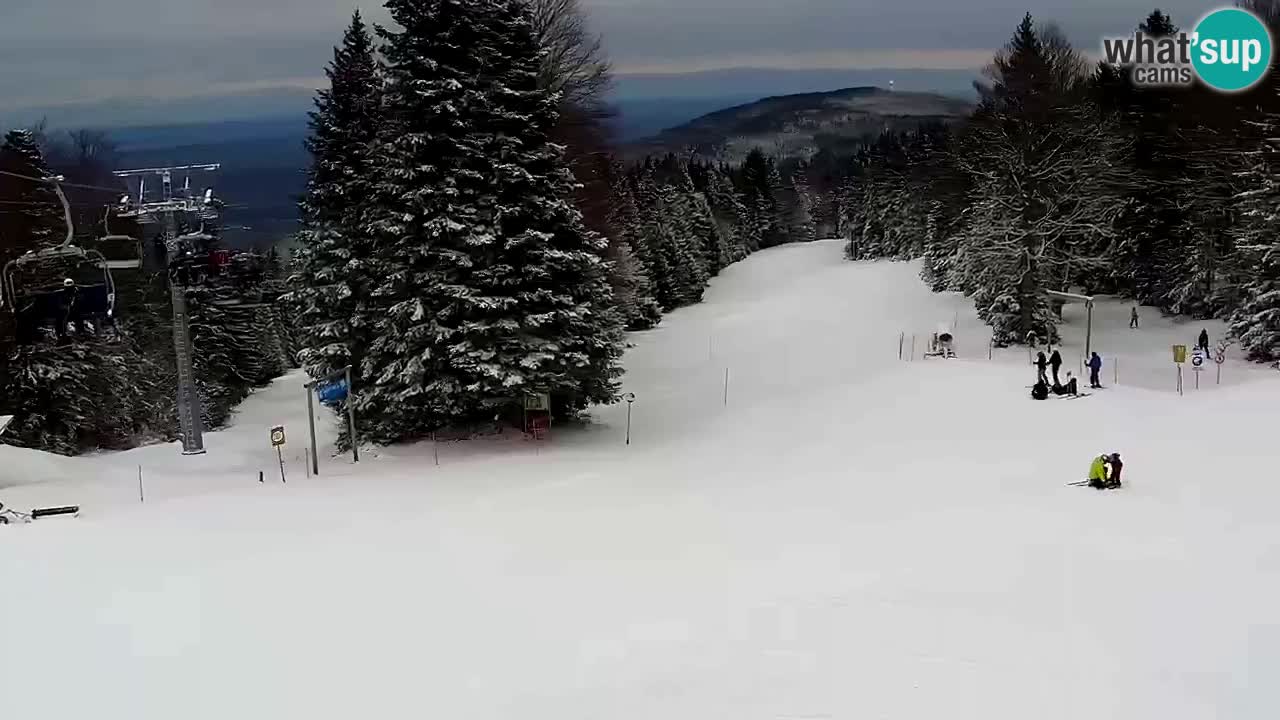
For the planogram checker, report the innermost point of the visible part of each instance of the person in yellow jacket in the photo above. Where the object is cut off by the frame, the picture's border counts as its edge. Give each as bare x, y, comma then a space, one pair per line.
1100, 472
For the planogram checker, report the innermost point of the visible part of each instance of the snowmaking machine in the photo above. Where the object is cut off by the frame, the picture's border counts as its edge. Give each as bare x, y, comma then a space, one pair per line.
940, 344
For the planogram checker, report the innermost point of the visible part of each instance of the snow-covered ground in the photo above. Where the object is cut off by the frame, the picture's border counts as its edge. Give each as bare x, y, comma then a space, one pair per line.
848, 536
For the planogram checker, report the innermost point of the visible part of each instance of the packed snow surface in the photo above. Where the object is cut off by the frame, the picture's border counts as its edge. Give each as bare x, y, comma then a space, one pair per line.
836, 534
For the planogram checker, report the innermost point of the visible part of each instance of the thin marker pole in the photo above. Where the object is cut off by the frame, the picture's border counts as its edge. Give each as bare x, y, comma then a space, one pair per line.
351, 419
311, 426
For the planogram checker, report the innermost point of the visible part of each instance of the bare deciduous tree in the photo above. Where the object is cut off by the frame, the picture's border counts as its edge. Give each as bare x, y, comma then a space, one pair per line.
574, 64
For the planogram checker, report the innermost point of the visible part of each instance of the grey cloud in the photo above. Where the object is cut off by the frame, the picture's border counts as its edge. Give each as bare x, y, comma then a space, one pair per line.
54, 51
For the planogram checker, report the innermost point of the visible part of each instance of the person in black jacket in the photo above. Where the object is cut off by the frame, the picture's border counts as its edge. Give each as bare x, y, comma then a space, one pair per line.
1204, 342
1055, 362
1068, 388
1042, 365
1114, 480
66, 299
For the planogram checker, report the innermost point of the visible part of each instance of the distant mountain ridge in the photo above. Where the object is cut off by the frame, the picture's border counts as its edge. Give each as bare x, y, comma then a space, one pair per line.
801, 124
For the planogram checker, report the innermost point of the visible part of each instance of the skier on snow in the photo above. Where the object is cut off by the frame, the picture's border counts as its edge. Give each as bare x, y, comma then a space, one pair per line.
1041, 365
1095, 367
1055, 361
1116, 465
1133, 317
1104, 472
1070, 388
1099, 472
1204, 341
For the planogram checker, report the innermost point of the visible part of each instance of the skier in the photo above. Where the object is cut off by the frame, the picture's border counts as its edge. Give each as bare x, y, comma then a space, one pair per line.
1116, 465
1100, 472
1040, 391
66, 308
1041, 365
1133, 318
1070, 388
1055, 362
1095, 367
1204, 342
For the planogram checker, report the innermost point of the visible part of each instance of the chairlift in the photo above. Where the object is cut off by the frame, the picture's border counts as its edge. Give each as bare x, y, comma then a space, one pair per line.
123, 252
64, 284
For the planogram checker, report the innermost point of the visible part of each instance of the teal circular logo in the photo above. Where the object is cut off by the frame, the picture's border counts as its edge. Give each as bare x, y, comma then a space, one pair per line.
1231, 49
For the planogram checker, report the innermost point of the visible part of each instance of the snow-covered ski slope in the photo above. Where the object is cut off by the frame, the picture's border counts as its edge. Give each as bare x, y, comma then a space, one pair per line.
851, 536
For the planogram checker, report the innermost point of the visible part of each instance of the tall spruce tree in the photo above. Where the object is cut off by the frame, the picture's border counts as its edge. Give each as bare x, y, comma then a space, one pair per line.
731, 216
489, 285
1256, 322
761, 185
1045, 178
802, 224
707, 237
654, 238
632, 288
683, 248
331, 285
34, 219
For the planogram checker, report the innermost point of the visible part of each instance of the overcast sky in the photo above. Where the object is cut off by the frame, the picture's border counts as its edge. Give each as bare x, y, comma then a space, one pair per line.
55, 51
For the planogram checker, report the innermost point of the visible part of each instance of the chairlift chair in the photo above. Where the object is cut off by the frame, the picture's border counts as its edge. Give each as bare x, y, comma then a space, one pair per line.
32, 285
122, 252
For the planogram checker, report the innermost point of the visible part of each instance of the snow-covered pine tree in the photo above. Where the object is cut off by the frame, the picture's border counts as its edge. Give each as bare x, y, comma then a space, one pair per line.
654, 239
1046, 187
802, 223
47, 390
760, 185
777, 227
34, 219
73, 397
632, 288
731, 215
709, 239
1256, 323
541, 316
1149, 237
331, 280
490, 286
224, 356
684, 250
1203, 270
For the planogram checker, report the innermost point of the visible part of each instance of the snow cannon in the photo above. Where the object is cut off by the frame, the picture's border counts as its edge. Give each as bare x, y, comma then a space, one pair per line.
940, 344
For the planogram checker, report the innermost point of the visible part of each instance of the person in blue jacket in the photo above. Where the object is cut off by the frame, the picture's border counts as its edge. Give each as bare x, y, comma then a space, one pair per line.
1095, 367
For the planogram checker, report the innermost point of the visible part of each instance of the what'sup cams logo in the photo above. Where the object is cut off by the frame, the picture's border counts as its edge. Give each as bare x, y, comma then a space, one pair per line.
1230, 50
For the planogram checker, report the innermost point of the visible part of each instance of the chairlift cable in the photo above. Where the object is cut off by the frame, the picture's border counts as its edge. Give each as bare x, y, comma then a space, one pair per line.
63, 184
